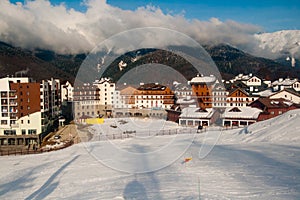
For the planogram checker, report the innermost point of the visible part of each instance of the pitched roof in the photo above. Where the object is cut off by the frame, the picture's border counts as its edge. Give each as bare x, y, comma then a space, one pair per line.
193, 112
235, 89
242, 113
289, 90
128, 91
274, 103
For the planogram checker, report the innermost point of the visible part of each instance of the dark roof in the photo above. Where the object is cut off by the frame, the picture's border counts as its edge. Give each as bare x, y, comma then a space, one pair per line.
235, 89
152, 86
273, 103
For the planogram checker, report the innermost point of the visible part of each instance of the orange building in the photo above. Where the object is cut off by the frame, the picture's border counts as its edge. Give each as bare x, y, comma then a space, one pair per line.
202, 87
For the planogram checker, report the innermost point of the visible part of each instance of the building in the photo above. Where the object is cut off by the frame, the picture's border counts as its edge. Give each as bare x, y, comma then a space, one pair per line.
28, 110
238, 97
193, 116
219, 96
86, 102
106, 91
148, 100
296, 86
240, 116
154, 96
282, 84
67, 91
288, 94
202, 87
272, 107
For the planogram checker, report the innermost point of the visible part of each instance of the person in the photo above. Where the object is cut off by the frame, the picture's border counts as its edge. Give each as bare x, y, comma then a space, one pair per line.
199, 128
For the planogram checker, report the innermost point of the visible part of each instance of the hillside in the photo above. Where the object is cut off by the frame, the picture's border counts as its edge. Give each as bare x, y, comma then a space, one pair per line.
230, 61
14, 60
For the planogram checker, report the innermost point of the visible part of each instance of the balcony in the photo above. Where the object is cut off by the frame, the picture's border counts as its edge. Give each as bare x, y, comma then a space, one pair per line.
13, 110
13, 103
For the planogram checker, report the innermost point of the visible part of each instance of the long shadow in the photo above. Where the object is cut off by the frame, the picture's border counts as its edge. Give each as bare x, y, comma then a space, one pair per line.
22, 182
48, 187
146, 185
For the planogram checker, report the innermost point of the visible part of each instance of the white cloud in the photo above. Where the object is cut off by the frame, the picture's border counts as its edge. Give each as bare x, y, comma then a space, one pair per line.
38, 24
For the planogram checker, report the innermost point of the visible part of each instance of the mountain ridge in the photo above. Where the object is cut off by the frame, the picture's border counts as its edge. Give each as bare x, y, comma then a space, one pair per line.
43, 64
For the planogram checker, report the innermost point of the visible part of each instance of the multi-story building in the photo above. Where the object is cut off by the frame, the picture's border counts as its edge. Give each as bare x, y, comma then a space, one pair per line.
67, 91
26, 110
86, 102
219, 96
202, 87
238, 97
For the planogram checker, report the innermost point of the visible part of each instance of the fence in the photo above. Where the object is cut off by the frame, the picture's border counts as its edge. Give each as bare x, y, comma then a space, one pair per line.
7, 152
143, 134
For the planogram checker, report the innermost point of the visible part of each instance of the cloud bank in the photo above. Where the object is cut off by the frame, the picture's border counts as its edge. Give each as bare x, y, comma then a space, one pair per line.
38, 24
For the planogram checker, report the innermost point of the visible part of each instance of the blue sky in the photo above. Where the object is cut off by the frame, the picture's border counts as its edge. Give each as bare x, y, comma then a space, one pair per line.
272, 15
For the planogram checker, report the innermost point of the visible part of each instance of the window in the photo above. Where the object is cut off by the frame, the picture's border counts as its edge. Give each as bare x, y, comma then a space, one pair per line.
23, 132
28, 121
31, 131
22, 121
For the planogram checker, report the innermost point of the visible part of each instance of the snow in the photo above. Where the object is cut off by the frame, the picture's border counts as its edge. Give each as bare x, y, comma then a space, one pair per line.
280, 42
261, 161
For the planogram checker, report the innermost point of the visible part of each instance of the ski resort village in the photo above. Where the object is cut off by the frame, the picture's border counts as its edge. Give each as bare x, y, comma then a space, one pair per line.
30, 110
202, 139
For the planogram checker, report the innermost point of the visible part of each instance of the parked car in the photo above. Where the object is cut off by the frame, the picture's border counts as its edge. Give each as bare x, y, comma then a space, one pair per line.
57, 137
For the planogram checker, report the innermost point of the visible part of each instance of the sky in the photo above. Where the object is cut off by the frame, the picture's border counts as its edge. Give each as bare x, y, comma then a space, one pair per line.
271, 15
70, 26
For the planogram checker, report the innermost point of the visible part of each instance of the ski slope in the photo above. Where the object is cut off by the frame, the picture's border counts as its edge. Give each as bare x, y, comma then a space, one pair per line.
260, 162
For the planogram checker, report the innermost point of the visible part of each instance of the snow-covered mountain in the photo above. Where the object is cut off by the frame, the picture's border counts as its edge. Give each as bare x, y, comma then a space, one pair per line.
285, 43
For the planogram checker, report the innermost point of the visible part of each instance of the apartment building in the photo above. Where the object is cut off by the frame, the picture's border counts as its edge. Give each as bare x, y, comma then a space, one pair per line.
28, 109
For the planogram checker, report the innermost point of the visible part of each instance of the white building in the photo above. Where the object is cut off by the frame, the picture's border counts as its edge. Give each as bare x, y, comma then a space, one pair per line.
296, 86
288, 94
193, 116
67, 91
240, 116
219, 96
106, 92
282, 84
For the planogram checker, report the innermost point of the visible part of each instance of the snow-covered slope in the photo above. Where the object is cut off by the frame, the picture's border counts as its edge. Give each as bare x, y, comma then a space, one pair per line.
284, 129
262, 164
284, 43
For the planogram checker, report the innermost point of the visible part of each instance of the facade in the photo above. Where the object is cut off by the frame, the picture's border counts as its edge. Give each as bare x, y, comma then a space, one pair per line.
154, 96
239, 98
240, 116
27, 109
106, 91
282, 84
86, 102
202, 87
272, 107
149, 100
288, 94
193, 116
296, 86
67, 91
93, 100
219, 96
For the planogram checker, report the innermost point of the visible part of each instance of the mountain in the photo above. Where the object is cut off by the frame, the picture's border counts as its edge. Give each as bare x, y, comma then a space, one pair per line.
281, 44
15, 61
232, 61
43, 64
